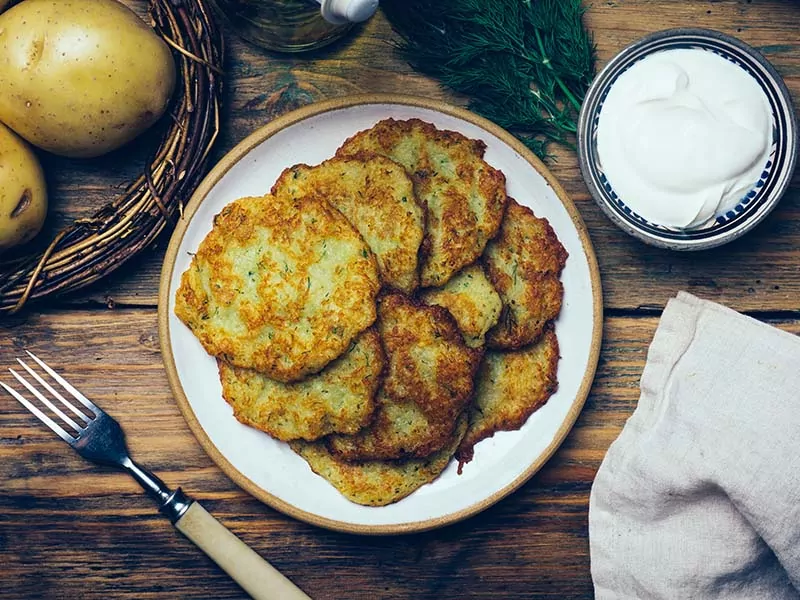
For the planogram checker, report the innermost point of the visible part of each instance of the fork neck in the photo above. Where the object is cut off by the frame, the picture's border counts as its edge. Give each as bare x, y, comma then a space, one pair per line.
171, 503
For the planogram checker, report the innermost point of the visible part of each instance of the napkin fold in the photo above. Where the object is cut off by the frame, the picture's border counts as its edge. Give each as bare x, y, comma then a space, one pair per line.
699, 497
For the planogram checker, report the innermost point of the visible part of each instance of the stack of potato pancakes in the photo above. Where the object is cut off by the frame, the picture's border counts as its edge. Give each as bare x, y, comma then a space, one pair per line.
383, 311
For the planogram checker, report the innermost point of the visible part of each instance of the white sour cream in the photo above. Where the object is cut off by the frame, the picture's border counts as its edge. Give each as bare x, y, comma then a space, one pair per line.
683, 136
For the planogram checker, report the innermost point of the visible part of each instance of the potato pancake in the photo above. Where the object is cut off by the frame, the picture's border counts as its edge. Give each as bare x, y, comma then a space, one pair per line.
463, 196
473, 302
524, 264
339, 399
511, 386
279, 285
428, 384
400, 429
377, 196
377, 483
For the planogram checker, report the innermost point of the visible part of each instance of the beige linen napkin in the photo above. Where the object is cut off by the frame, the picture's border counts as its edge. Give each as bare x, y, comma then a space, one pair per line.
699, 497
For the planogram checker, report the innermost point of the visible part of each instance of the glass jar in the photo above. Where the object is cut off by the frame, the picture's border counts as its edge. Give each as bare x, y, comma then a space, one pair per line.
293, 25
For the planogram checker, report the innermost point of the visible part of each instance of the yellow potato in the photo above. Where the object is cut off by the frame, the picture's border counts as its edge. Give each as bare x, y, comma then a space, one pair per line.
23, 197
81, 77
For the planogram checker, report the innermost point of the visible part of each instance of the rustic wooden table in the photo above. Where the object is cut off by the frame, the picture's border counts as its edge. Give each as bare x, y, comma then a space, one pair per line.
72, 530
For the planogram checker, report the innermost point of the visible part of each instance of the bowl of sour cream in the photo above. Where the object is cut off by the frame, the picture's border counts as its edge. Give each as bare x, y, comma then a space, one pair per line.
687, 139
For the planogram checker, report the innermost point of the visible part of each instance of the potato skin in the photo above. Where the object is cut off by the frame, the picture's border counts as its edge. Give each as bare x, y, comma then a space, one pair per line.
81, 77
23, 195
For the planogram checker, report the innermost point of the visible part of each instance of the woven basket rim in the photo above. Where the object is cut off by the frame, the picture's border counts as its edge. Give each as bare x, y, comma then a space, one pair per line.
90, 249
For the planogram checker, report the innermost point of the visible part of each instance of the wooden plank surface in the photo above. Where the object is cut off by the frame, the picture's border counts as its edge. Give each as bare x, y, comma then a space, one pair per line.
61, 518
71, 530
757, 273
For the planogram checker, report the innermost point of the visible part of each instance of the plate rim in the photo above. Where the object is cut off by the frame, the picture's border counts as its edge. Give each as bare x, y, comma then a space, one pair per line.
240, 151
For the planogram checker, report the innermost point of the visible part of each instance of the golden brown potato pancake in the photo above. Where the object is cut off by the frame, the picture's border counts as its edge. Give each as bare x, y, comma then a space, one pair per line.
472, 300
338, 399
524, 263
510, 387
377, 196
463, 196
378, 483
279, 285
429, 382
399, 429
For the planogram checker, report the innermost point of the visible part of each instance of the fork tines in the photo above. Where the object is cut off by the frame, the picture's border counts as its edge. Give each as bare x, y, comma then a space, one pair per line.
85, 419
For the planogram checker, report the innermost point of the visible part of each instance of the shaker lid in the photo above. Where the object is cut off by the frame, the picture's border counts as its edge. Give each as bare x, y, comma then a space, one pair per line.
339, 12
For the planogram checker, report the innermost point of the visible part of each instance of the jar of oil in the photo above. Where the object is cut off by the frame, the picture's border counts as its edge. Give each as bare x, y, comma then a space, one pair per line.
293, 25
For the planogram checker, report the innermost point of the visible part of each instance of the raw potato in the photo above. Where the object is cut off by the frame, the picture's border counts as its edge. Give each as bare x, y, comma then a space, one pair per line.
81, 77
23, 197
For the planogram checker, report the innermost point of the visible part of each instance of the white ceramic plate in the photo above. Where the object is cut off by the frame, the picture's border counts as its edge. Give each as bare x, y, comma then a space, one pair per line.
269, 469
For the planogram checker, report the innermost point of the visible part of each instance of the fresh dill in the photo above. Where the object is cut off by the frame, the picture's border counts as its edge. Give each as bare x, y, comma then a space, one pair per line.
524, 64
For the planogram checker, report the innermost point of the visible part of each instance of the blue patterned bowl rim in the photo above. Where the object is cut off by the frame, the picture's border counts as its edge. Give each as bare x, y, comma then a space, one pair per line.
756, 204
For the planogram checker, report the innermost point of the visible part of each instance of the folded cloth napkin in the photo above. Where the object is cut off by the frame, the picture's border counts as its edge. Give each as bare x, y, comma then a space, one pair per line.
699, 497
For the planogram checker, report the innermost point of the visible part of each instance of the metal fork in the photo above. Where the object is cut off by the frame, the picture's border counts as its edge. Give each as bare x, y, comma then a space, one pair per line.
97, 437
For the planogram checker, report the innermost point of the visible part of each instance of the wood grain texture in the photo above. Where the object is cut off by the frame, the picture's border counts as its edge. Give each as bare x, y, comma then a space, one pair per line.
69, 529
63, 518
72, 530
758, 273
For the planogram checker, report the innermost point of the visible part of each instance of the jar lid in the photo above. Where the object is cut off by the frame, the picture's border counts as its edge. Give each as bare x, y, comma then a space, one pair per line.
340, 12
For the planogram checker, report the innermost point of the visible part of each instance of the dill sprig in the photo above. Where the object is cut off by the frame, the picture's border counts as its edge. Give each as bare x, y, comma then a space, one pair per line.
524, 64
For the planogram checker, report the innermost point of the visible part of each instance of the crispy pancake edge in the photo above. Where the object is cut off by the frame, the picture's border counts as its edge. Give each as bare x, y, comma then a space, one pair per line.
476, 310
352, 478
261, 344
399, 267
539, 274
380, 440
282, 418
450, 247
516, 411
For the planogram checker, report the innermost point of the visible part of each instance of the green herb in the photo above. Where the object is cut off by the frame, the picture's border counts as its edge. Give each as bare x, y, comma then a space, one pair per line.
524, 64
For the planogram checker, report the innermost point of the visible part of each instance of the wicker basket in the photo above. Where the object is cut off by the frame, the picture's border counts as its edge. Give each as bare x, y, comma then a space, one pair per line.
90, 249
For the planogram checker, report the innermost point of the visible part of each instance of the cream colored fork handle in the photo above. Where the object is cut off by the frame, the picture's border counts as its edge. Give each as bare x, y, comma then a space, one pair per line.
256, 576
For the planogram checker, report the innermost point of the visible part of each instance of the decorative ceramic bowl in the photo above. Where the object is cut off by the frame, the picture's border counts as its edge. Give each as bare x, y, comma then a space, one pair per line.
755, 205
